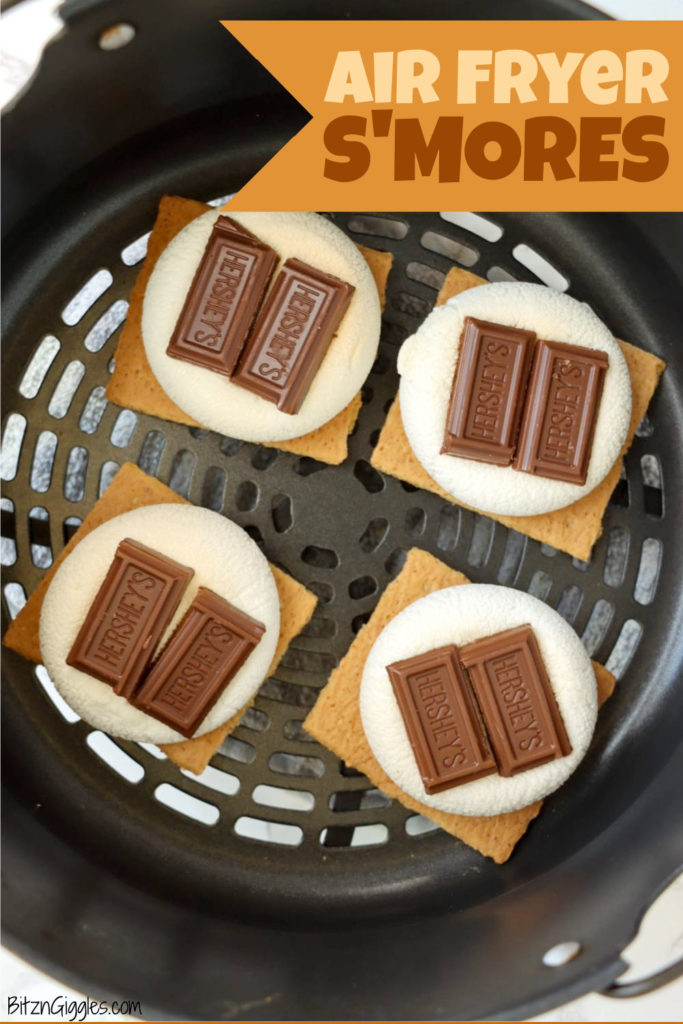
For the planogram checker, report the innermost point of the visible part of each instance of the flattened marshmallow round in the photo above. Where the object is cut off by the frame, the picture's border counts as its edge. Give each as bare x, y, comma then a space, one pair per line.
224, 558
459, 615
212, 398
427, 362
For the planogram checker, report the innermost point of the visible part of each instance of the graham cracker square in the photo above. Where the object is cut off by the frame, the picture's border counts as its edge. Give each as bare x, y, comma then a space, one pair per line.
131, 488
335, 720
134, 386
573, 529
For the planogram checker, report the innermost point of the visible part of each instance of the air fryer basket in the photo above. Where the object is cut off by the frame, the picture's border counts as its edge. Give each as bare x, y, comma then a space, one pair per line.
280, 885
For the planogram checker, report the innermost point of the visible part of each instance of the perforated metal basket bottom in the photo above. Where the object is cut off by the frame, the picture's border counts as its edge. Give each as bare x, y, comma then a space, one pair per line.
273, 800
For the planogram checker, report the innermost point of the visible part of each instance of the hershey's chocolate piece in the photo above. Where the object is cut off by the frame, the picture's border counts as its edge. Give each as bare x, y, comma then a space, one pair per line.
516, 699
210, 645
292, 334
223, 299
441, 719
488, 391
131, 610
561, 410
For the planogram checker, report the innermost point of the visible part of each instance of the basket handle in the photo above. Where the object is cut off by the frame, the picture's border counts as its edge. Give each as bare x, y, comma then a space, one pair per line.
651, 982
641, 986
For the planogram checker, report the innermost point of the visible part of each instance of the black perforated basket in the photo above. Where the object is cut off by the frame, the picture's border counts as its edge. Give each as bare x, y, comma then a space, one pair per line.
280, 884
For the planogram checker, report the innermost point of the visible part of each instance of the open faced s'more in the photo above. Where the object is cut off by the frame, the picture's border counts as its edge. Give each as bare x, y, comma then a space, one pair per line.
365, 741
134, 385
515, 398
263, 326
478, 700
573, 527
154, 649
259, 326
198, 591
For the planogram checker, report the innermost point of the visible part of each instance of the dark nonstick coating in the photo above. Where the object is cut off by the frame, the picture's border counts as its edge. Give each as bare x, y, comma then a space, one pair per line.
107, 889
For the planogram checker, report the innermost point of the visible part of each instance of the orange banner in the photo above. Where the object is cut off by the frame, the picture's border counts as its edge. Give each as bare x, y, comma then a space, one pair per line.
514, 115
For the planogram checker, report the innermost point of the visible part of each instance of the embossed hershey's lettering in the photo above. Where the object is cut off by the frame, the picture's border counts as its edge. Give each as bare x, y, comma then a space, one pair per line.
128, 616
219, 300
560, 436
136, 591
223, 299
493, 380
441, 719
561, 411
210, 645
292, 334
516, 699
449, 744
299, 309
507, 674
488, 389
